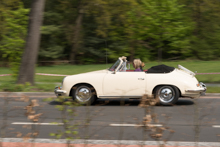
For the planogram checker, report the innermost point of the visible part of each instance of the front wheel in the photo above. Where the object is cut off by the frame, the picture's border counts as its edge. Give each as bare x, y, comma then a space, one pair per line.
83, 94
167, 95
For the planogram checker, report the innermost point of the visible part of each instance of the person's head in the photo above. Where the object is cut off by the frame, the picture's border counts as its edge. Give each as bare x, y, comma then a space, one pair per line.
137, 63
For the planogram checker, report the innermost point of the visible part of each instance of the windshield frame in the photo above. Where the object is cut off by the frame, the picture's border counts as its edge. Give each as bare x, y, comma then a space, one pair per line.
115, 65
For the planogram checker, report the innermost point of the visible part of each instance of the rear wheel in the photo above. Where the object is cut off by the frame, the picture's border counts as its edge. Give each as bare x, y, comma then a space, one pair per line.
167, 95
84, 94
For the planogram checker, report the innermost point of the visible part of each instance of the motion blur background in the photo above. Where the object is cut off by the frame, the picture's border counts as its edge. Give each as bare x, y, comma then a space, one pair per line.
81, 31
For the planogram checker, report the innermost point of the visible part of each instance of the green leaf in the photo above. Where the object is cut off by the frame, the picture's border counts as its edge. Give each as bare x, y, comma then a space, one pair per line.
52, 134
67, 132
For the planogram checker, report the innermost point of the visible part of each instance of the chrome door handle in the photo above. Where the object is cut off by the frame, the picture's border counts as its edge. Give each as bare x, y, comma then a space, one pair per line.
140, 78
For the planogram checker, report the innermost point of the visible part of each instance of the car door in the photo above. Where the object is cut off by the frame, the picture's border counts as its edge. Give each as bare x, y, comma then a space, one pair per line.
120, 84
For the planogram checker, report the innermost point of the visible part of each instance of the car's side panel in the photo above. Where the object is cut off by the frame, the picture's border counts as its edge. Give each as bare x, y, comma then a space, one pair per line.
124, 84
94, 78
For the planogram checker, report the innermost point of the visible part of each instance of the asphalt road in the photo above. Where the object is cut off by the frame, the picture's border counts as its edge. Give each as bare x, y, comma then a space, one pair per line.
189, 119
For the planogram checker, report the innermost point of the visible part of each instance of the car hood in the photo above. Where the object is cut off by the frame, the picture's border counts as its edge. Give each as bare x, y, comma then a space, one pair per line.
97, 71
94, 72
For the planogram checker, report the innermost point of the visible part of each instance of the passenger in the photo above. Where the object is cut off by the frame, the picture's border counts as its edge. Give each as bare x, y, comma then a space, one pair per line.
137, 64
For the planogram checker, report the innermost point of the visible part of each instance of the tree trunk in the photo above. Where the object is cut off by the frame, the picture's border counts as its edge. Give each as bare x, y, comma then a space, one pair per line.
29, 58
76, 44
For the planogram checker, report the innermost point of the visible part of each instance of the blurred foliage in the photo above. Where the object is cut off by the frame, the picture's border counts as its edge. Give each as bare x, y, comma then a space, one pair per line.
164, 28
67, 109
174, 29
135, 28
12, 38
205, 40
13, 87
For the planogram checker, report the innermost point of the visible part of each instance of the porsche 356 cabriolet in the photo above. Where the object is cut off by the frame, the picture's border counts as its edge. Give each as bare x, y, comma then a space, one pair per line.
164, 82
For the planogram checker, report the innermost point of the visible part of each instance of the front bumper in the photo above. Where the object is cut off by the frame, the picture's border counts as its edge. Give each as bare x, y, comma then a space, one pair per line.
58, 91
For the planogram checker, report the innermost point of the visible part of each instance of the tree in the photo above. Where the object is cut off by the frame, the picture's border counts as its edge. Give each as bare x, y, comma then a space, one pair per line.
29, 58
111, 20
5, 7
13, 36
73, 13
205, 40
82, 30
163, 26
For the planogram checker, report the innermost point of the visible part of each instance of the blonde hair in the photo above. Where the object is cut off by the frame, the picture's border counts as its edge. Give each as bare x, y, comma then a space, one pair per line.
137, 63
142, 64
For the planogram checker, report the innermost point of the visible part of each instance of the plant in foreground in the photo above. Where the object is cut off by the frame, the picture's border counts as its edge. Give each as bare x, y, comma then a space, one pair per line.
67, 110
31, 112
150, 120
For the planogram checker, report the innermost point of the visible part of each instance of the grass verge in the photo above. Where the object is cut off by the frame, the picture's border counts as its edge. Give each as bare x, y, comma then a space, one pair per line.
213, 90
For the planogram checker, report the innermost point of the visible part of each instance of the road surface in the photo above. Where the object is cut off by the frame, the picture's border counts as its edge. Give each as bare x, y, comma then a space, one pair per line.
190, 120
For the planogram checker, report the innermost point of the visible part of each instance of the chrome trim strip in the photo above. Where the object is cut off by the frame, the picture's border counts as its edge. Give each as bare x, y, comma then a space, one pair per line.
200, 90
132, 96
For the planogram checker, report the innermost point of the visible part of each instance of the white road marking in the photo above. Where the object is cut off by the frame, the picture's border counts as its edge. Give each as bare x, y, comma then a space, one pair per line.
134, 125
30, 123
114, 125
216, 126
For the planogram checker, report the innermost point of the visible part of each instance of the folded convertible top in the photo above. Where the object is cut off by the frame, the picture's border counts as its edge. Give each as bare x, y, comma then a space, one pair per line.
160, 69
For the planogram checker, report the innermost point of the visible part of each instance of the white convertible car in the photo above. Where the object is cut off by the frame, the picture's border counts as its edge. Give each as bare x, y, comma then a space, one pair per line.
164, 82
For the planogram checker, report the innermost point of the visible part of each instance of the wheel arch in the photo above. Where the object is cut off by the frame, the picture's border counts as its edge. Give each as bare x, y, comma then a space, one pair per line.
78, 84
154, 90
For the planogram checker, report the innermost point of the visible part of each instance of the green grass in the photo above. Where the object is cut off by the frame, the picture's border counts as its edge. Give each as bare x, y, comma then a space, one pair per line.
49, 81
213, 90
65, 70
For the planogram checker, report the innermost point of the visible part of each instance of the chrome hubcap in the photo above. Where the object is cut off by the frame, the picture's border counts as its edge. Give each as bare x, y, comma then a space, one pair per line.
166, 95
83, 94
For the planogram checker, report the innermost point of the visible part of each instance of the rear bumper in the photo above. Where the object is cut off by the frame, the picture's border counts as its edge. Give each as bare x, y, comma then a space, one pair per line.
197, 90
200, 91
58, 91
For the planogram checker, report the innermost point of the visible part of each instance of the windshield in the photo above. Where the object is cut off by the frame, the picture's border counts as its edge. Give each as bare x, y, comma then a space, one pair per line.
123, 67
115, 65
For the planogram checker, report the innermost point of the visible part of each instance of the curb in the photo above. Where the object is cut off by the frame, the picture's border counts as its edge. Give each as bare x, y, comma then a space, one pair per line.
109, 143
